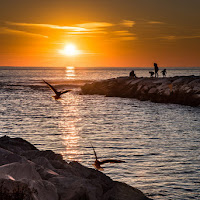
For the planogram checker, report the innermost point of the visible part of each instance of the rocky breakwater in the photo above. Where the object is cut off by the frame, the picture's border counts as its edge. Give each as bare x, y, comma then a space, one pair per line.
29, 174
183, 90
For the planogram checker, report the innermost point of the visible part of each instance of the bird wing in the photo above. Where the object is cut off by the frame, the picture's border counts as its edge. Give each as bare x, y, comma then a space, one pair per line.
65, 91
94, 152
111, 161
51, 87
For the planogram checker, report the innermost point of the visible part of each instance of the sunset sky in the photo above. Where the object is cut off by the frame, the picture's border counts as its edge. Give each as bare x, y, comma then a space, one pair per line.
116, 33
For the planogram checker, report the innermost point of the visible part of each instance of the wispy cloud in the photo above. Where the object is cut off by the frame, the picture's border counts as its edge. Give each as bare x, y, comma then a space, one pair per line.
123, 33
4, 30
155, 22
94, 25
89, 29
127, 23
78, 29
172, 37
93, 32
48, 26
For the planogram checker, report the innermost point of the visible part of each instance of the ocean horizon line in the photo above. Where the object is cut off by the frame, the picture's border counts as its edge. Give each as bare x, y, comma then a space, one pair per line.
93, 67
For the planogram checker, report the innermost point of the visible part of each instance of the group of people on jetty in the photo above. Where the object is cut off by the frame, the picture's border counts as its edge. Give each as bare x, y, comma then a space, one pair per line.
156, 69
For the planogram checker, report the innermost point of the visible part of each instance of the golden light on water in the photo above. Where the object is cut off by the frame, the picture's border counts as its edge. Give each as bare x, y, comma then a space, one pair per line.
70, 140
70, 72
70, 133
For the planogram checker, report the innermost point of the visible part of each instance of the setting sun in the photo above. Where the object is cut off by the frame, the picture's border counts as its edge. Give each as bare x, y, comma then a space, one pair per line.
69, 50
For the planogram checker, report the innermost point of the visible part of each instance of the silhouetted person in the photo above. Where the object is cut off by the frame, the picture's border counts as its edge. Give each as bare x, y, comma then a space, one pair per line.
151, 73
156, 69
132, 74
164, 72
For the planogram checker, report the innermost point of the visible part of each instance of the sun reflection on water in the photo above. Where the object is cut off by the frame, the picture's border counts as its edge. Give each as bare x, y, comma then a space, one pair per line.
70, 132
70, 72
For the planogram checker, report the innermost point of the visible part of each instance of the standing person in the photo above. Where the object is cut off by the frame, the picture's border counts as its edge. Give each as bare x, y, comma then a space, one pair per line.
156, 69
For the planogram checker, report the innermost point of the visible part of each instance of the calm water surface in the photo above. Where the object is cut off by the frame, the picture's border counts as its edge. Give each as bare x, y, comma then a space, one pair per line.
159, 142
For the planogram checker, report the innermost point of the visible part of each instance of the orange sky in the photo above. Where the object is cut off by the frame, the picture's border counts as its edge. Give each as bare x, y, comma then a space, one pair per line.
132, 33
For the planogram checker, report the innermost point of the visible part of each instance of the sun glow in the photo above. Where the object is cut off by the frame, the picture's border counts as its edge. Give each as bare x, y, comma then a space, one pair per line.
69, 50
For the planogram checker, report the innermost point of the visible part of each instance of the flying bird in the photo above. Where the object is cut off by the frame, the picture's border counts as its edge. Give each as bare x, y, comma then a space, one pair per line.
97, 164
58, 94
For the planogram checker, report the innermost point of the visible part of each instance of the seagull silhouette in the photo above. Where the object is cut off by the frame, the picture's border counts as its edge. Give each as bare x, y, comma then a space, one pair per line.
58, 94
97, 163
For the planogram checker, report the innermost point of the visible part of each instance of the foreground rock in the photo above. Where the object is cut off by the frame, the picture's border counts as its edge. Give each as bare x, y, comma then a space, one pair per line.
29, 174
183, 90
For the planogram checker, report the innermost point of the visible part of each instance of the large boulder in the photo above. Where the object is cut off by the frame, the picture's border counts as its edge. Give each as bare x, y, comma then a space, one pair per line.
29, 174
15, 190
25, 174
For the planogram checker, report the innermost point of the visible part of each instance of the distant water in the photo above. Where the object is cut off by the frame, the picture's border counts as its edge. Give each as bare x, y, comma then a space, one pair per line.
159, 142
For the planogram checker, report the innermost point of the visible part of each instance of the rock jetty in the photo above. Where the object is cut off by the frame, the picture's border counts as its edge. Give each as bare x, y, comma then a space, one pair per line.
27, 173
183, 90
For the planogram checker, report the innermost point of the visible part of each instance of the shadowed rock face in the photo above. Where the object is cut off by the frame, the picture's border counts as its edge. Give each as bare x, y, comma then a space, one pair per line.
29, 174
183, 90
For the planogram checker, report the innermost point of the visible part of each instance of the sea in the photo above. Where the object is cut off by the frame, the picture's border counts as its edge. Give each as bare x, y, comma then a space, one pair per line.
160, 143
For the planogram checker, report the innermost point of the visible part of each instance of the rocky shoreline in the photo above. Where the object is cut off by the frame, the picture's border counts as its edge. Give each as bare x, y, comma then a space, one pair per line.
184, 90
27, 173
